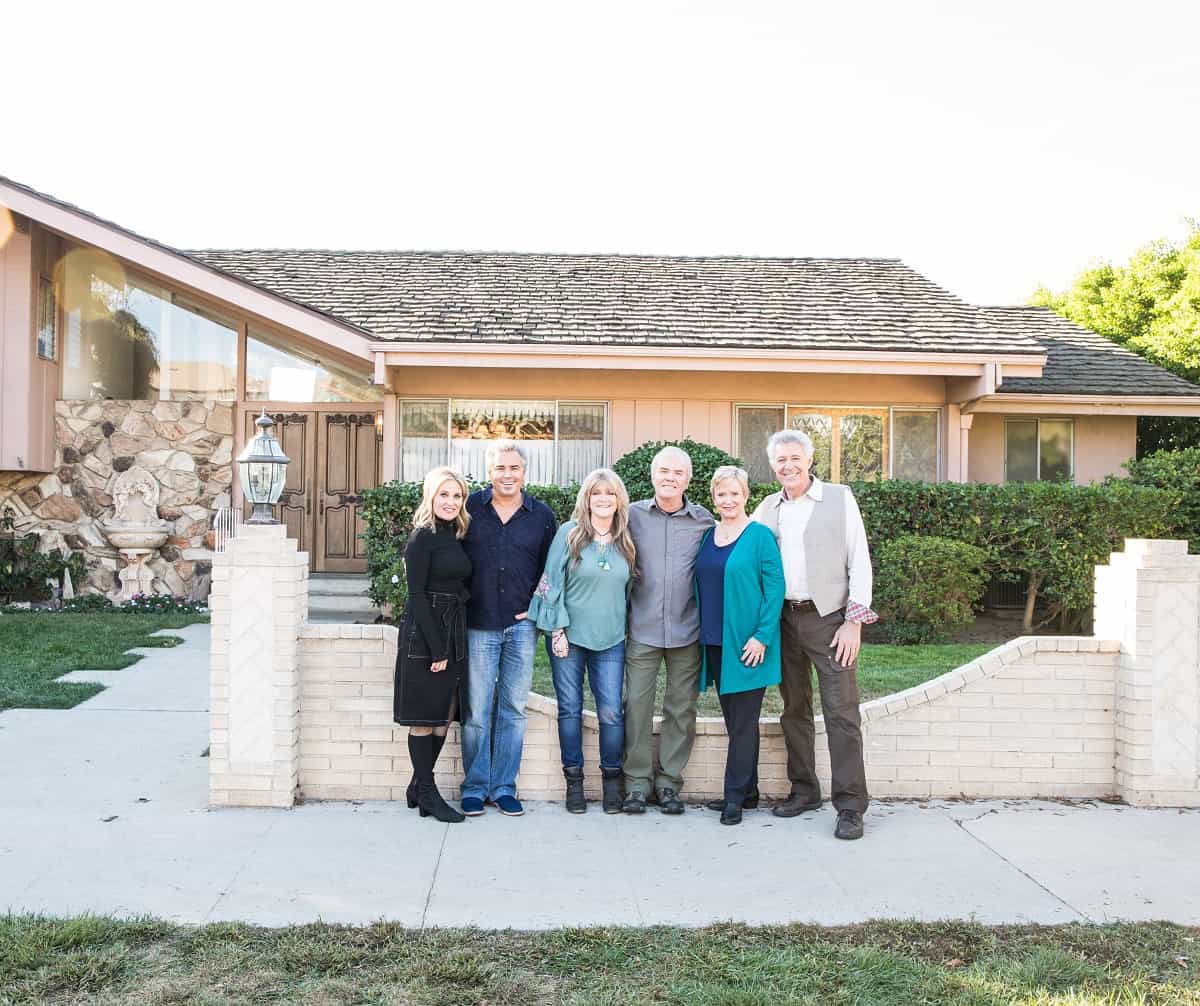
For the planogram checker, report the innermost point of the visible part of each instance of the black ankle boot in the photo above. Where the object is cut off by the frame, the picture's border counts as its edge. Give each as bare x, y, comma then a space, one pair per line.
429, 800
749, 801
576, 803
410, 794
612, 790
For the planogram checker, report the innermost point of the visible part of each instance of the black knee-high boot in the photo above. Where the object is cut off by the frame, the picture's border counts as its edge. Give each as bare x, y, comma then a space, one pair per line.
429, 800
410, 794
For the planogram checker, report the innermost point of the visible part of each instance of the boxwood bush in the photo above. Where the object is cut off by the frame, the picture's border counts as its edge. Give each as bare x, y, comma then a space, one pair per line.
1179, 473
928, 587
634, 467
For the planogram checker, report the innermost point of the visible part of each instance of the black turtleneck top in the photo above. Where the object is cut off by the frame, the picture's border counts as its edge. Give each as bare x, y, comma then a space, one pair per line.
434, 563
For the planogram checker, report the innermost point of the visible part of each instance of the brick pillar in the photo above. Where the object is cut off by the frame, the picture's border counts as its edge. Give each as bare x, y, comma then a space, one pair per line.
1148, 599
259, 601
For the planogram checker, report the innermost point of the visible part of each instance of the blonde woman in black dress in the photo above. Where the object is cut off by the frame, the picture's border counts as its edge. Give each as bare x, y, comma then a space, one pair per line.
431, 653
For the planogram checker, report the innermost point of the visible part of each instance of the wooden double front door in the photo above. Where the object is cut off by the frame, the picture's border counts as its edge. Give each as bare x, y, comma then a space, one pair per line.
334, 456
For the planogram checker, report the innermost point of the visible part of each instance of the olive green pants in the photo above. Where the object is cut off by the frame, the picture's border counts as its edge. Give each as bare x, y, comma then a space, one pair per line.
642, 663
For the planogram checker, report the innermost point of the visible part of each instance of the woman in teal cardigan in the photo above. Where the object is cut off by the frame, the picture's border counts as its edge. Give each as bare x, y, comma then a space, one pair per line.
740, 589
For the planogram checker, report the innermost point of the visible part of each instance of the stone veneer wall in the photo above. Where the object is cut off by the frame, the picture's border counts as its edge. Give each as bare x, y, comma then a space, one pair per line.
1032, 718
186, 446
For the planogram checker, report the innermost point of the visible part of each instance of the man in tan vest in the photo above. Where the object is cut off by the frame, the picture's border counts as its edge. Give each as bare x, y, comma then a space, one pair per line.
828, 572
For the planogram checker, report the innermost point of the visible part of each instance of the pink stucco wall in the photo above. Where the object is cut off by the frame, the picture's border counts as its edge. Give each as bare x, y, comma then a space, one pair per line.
1102, 445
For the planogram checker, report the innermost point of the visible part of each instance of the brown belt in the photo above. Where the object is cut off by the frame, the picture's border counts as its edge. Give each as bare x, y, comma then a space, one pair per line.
800, 606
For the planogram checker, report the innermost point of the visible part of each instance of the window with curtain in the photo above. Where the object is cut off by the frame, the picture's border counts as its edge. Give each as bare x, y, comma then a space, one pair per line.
1039, 450
915, 445
755, 424
563, 440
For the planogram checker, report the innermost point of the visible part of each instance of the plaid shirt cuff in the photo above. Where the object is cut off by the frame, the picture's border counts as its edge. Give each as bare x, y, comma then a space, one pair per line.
856, 612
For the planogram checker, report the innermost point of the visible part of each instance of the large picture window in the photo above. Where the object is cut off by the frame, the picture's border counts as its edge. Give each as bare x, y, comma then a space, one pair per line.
132, 338
1039, 450
850, 443
564, 440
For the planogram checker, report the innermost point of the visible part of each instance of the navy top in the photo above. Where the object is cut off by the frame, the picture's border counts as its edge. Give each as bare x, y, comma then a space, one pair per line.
710, 582
506, 559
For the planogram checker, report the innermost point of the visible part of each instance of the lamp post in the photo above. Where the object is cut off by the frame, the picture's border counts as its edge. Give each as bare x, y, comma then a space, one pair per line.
262, 466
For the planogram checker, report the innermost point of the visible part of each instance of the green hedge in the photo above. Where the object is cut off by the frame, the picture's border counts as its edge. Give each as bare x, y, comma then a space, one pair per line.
1050, 534
634, 467
1177, 472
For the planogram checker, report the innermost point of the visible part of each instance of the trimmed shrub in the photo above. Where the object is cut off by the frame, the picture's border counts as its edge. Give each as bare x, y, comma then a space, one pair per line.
928, 587
634, 468
1179, 473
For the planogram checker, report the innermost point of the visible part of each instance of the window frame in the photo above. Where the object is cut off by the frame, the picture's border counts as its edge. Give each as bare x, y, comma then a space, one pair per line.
788, 408
449, 400
1038, 420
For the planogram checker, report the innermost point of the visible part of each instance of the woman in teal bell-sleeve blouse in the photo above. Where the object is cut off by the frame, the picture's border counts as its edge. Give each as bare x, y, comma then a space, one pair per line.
581, 604
740, 590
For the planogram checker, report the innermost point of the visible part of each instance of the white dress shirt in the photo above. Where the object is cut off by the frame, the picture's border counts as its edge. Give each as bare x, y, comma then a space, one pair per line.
793, 519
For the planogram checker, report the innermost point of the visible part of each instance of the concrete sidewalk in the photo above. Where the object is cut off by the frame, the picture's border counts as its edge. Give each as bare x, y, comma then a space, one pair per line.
103, 809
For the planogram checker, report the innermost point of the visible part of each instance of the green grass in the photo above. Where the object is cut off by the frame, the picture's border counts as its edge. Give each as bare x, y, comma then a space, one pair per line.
882, 670
37, 648
100, 960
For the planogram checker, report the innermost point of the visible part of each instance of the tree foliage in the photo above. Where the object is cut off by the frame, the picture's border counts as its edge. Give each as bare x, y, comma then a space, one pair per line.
1152, 307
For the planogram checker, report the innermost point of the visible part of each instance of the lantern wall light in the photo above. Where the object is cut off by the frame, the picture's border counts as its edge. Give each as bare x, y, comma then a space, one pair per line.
262, 467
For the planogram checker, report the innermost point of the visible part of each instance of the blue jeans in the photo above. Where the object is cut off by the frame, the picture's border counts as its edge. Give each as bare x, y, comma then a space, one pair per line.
499, 677
606, 674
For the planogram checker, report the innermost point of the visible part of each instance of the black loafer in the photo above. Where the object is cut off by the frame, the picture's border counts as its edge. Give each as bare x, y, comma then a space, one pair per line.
849, 825
795, 805
669, 802
635, 803
731, 813
750, 802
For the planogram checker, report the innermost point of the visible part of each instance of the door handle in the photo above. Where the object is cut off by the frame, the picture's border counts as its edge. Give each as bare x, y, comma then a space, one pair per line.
308, 504
321, 507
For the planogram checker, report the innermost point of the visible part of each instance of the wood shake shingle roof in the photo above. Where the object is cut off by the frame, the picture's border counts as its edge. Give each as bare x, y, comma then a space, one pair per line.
627, 300
1079, 361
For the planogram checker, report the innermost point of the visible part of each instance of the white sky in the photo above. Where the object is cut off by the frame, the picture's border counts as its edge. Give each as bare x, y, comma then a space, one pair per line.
992, 146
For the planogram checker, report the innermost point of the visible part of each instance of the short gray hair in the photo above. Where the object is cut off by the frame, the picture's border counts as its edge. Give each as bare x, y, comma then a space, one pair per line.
671, 451
497, 447
789, 437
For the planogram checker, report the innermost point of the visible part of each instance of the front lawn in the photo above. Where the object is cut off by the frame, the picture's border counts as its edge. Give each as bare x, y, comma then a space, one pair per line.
882, 670
97, 960
36, 648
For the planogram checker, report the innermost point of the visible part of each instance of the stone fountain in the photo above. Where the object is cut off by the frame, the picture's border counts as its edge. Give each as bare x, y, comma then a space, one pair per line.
136, 529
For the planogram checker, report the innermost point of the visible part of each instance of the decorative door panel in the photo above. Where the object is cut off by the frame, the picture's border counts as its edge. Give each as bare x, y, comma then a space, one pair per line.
296, 434
350, 455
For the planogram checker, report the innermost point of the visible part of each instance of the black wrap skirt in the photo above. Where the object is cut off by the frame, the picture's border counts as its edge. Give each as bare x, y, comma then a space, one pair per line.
421, 697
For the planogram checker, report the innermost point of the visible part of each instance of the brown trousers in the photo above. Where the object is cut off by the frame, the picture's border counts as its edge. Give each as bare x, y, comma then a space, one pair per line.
806, 638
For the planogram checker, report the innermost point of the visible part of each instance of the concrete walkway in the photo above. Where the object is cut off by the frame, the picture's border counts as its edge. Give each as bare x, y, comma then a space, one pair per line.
102, 809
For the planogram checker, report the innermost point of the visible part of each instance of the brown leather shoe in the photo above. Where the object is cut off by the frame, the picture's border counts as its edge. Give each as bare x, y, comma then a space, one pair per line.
795, 805
669, 802
849, 825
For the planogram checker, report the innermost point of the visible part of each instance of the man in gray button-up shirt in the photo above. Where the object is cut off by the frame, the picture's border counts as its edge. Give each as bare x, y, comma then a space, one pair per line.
664, 626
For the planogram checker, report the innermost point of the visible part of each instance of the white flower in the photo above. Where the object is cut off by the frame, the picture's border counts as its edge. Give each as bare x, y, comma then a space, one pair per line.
395, 578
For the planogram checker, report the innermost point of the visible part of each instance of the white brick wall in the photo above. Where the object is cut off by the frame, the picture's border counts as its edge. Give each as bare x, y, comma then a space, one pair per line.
1037, 717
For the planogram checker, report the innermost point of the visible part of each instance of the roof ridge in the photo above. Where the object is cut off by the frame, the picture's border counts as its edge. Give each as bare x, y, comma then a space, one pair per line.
659, 257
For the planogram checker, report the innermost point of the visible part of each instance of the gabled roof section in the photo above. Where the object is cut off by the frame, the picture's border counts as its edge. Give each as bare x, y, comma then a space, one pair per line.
844, 305
173, 264
1080, 361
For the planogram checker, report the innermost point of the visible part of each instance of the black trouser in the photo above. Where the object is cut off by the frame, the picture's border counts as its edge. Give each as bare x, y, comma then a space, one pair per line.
741, 711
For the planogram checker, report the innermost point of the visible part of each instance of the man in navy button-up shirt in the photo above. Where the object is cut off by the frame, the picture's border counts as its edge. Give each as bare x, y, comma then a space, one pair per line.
507, 541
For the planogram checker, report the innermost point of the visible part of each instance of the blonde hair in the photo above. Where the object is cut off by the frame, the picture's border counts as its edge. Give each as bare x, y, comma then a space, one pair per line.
434, 481
730, 473
583, 533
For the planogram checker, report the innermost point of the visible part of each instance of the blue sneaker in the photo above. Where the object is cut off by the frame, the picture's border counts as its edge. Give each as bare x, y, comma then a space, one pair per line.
509, 806
472, 806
